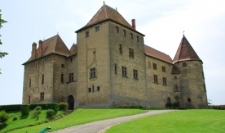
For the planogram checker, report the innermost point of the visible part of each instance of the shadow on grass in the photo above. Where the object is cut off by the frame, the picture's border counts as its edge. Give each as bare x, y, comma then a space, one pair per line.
4, 125
24, 116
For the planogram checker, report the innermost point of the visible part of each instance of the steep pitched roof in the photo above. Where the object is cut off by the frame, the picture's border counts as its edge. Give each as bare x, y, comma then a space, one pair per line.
185, 52
157, 54
107, 13
73, 49
51, 45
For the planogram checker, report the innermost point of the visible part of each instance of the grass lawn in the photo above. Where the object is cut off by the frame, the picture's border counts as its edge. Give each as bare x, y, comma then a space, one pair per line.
184, 121
81, 116
24, 121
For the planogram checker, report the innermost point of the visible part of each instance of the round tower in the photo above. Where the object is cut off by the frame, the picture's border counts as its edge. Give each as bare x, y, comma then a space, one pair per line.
191, 77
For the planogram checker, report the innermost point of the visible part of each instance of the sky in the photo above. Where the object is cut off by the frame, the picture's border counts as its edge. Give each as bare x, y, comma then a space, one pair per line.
163, 23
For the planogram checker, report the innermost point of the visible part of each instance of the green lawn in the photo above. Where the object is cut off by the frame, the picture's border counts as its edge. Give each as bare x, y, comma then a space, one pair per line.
184, 121
24, 121
81, 116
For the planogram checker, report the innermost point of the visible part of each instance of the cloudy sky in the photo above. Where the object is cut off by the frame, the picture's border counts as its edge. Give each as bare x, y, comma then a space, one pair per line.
162, 22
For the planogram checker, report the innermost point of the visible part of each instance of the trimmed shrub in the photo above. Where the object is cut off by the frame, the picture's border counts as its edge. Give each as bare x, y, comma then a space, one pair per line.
25, 108
63, 106
176, 104
169, 104
50, 112
3, 116
53, 106
8, 108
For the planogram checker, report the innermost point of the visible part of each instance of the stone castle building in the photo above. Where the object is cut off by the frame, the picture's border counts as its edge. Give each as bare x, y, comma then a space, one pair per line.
110, 66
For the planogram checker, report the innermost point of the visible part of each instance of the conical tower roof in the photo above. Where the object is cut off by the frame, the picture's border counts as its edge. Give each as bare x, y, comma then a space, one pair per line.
185, 52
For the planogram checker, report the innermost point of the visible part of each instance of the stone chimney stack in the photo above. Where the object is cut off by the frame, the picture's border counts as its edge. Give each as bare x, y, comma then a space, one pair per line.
41, 47
134, 24
34, 50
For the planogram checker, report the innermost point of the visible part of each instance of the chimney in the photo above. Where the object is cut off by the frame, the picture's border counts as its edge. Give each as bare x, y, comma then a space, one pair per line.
133, 24
34, 49
41, 47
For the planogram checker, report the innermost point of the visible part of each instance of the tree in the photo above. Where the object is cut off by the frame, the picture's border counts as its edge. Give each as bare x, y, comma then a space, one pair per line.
2, 21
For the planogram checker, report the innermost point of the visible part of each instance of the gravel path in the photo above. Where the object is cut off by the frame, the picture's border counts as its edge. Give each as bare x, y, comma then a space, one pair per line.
103, 125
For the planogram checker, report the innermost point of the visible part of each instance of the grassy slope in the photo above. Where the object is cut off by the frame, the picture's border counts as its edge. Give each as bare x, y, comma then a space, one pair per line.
81, 116
185, 121
23, 121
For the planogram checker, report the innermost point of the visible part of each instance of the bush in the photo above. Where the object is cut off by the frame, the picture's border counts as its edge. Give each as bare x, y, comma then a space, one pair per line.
37, 112
50, 112
176, 104
53, 106
25, 109
63, 106
3, 116
8, 108
169, 104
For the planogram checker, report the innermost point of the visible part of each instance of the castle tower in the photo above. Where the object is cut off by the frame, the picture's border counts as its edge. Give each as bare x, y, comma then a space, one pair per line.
188, 71
110, 61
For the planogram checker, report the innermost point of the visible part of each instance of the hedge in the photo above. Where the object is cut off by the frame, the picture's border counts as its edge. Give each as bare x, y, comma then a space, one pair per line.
33, 106
25, 108
7, 108
53, 106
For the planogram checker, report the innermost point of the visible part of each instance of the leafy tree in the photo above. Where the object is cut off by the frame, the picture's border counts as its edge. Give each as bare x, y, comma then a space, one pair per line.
2, 21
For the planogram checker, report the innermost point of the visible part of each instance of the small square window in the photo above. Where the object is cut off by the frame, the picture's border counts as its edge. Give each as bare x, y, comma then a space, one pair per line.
98, 88
92, 73
89, 89
184, 64
189, 100
163, 69
155, 79
62, 65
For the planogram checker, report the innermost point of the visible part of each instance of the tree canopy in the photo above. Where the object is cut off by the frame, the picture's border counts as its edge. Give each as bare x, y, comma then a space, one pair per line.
2, 21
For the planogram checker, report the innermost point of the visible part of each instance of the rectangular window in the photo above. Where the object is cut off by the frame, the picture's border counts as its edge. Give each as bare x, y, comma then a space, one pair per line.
164, 81
163, 69
120, 48
71, 77
62, 78
92, 73
42, 79
62, 65
176, 88
154, 66
87, 34
115, 68
124, 33
155, 79
135, 74
137, 38
42, 96
117, 29
98, 88
131, 36
30, 82
124, 71
93, 88
97, 28
89, 89
36, 65
131, 53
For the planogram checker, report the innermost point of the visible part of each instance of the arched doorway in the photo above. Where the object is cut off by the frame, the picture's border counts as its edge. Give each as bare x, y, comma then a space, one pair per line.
71, 102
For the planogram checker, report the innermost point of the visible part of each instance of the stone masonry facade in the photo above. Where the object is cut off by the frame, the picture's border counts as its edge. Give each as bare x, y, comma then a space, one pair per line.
110, 66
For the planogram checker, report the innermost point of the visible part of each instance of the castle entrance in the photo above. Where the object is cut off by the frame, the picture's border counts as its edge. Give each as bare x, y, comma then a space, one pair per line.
71, 102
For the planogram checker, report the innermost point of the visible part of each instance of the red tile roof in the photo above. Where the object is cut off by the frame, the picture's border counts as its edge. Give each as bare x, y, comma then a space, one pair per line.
107, 13
49, 46
157, 54
185, 52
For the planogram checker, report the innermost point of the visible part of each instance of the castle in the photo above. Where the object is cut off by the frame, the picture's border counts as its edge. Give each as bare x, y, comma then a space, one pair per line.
110, 66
